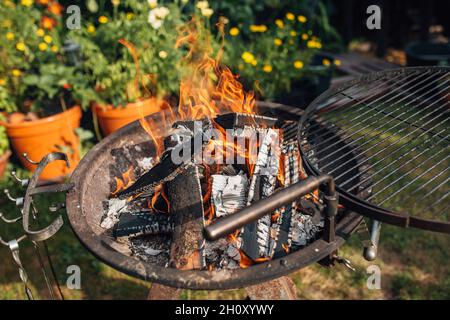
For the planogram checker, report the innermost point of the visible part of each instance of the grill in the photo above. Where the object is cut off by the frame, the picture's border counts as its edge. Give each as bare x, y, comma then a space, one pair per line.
398, 121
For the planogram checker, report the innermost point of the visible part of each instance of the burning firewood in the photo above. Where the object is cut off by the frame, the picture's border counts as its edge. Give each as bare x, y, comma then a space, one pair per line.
142, 223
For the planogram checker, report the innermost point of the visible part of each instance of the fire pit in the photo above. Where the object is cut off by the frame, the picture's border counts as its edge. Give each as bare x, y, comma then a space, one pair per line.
97, 181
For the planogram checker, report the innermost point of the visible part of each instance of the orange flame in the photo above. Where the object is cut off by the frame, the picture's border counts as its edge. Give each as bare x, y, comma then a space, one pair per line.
124, 182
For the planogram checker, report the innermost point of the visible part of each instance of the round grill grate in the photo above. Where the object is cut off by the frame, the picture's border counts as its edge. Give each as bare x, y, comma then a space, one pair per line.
398, 121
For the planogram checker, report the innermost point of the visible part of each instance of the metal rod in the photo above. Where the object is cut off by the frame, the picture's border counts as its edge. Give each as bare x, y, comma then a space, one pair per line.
391, 152
399, 158
377, 84
368, 97
362, 102
370, 253
378, 143
413, 180
436, 177
386, 115
228, 224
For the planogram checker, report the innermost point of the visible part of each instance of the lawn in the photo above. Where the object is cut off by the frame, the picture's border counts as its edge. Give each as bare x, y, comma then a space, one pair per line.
413, 263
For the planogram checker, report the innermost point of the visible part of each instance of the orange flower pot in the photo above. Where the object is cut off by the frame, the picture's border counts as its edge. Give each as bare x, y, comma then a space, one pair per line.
112, 119
4, 162
51, 134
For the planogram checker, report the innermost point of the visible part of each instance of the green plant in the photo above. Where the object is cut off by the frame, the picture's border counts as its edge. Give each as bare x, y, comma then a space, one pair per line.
35, 74
151, 32
4, 143
272, 56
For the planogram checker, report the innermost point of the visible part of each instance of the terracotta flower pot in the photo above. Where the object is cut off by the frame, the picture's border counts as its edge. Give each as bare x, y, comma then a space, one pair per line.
4, 162
51, 134
111, 119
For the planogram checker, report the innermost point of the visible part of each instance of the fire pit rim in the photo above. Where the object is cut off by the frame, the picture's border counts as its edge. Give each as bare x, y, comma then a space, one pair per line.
101, 246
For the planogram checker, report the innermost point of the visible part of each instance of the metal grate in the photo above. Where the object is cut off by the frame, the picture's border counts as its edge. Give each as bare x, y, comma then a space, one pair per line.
399, 123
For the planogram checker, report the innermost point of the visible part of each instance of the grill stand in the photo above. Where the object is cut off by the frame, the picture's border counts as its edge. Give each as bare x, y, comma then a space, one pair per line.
370, 251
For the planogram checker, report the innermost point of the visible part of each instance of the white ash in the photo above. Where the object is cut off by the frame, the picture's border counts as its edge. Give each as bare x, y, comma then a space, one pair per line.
222, 254
153, 248
266, 168
146, 164
229, 193
152, 252
304, 230
115, 207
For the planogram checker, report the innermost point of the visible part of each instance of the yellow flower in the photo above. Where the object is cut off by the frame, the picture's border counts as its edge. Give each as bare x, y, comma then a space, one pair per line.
314, 44
54, 49
202, 5
115, 2
103, 19
247, 57
302, 19
234, 31
337, 62
43, 46
258, 28
279, 23
290, 16
277, 42
326, 62
48, 39
26, 3
40, 32
162, 54
305, 36
298, 64
293, 33
152, 3
10, 36
254, 63
130, 15
267, 68
20, 46
16, 72
207, 12
2, 82
91, 28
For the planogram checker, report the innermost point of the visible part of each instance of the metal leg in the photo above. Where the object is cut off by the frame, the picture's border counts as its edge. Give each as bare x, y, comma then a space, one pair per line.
370, 252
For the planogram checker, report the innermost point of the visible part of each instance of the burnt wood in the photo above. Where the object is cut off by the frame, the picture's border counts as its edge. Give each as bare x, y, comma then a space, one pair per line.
186, 207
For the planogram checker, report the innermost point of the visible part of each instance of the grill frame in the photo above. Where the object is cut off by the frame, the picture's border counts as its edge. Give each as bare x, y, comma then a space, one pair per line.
350, 201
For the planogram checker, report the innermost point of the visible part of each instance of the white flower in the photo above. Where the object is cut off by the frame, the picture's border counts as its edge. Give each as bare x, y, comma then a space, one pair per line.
152, 3
156, 16
162, 54
202, 5
207, 12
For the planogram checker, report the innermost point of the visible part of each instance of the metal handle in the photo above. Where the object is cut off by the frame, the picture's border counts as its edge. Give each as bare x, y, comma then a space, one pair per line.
227, 225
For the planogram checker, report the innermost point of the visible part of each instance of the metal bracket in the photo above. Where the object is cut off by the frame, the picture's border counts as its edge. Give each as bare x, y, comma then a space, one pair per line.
32, 190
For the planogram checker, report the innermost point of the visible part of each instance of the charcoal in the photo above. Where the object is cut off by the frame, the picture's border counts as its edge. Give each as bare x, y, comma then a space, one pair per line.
166, 169
239, 120
229, 193
134, 224
186, 207
256, 235
288, 213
